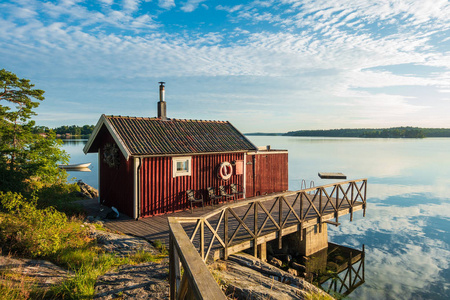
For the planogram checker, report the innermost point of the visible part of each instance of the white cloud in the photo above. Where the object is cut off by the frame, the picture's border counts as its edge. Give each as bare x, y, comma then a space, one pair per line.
166, 4
191, 5
131, 5
229, 9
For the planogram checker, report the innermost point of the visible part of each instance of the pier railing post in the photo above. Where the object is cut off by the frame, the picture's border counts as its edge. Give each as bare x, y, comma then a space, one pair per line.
202, 239
280, 220
174, 270
320, 210
337, 204
255, 226
225, 234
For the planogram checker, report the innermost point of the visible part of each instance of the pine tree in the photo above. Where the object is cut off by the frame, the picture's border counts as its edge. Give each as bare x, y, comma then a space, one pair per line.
25, 156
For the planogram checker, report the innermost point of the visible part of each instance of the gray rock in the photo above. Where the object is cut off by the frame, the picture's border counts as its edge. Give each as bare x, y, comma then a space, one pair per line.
41, 273
122, 244
300, 268
246, 278
276, 262
293, 272
144, 281
87, 190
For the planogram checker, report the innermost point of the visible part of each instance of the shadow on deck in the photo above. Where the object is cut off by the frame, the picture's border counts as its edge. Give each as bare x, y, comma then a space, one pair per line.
151, 228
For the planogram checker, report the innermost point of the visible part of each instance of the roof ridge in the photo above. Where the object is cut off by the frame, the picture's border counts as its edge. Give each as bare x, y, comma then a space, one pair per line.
171, 119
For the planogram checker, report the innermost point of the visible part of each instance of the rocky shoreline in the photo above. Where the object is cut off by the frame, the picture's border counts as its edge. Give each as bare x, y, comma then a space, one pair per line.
241, 277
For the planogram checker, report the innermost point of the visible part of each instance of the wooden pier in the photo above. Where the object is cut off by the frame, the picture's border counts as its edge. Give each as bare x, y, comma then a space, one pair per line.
324, 204
304, 208
243, 225
219, 231
250, 224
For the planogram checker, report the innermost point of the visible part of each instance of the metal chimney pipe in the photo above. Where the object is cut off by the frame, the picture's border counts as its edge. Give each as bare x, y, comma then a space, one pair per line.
162, 103
161, 91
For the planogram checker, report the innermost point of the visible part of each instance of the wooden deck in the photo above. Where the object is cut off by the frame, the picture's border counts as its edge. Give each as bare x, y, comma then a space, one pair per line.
222, 230
152, 229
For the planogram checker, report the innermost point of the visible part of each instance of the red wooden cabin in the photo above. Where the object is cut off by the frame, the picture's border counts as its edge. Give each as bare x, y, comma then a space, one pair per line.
146, 165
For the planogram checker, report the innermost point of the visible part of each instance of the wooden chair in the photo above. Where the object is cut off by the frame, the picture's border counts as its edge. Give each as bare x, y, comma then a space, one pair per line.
212, 195
224, 194
191, 197
237, 190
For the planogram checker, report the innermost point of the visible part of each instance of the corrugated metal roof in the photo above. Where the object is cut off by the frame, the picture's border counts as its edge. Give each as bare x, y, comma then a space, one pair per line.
148, 136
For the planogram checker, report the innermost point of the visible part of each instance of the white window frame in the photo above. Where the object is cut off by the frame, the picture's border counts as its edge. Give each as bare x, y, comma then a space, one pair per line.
183, 159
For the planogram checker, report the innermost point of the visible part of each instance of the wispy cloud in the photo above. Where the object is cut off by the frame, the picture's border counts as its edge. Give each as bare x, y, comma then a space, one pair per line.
326, 53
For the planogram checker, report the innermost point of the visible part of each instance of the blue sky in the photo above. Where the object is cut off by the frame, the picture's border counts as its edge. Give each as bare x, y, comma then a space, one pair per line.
270, 66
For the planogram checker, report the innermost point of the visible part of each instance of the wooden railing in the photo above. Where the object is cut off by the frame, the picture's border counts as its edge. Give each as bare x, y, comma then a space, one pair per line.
196, 282
238, 226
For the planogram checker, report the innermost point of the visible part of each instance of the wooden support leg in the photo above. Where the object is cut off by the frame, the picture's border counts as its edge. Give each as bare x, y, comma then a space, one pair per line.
262, 251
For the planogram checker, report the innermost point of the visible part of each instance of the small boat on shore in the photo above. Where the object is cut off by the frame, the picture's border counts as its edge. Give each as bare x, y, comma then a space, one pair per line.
75, 166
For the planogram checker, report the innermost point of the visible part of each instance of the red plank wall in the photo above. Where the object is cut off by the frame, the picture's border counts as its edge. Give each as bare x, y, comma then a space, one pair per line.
162, 193
266, 173
116, 184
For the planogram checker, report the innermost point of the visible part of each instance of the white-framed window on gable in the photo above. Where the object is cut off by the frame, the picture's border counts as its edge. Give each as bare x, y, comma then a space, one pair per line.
181, 166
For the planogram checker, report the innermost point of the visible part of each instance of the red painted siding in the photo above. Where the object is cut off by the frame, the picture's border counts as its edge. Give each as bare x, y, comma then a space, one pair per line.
162, 193
266, 173
116, 184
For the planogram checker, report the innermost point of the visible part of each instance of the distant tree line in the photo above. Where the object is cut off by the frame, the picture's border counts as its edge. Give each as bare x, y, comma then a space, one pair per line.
73, 130
395, 132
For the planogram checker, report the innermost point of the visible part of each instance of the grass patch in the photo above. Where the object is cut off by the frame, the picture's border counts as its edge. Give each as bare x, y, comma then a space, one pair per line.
46, 233
159, 245
13, 286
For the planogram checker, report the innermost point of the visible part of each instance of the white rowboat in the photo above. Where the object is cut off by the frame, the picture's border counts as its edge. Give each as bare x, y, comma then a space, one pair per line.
75, 166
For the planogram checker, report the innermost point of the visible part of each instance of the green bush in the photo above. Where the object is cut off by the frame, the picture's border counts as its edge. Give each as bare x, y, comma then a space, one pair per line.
62, 197
27, 230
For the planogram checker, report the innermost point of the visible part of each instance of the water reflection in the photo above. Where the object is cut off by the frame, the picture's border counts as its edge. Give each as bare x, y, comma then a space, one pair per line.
338, 270
407, 226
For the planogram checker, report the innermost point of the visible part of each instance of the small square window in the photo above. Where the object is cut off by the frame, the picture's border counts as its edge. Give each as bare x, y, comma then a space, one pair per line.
181, 166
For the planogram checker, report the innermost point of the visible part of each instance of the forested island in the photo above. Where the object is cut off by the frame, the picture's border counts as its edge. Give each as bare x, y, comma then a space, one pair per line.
67, 131
394, 132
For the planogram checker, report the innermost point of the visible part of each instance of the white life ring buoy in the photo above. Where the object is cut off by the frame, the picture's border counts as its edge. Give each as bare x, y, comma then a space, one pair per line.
225, 170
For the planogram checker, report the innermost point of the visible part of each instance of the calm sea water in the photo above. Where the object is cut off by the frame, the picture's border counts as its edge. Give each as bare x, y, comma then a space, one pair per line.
406, 231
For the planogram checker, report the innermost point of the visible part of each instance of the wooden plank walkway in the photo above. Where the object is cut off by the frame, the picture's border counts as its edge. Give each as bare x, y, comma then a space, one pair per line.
152, 229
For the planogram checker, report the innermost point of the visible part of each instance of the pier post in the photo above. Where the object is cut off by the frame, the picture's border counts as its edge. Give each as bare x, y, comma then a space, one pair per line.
313, 240
262, 251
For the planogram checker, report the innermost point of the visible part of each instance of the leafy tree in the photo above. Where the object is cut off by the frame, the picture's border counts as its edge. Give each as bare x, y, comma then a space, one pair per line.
26, 157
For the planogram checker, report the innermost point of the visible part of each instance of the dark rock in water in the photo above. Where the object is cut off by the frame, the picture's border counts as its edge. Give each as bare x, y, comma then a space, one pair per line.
87, 190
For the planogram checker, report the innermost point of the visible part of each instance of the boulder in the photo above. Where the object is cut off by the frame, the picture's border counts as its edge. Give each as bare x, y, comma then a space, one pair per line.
276, 262
246, 277
300, 268
87, 190
293, 272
